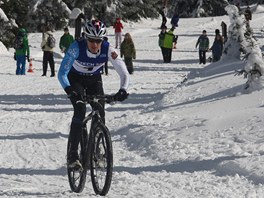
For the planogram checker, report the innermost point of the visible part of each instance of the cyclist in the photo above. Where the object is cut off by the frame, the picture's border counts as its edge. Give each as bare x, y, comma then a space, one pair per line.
80, 70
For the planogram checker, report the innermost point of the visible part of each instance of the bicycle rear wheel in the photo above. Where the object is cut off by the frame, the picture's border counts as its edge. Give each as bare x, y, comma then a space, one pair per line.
101, 158
77, 178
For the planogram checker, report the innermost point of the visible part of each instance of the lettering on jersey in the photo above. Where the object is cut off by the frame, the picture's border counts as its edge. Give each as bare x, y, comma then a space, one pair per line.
86, 64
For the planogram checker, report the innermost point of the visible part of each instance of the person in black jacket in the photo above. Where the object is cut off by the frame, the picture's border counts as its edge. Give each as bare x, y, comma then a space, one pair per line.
217, 48
175, 20
163, 15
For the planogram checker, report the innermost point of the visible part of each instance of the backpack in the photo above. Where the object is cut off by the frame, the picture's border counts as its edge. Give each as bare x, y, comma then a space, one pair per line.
51, 41
18, 44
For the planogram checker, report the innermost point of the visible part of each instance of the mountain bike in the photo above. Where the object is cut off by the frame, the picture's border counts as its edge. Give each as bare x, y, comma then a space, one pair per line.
95, 151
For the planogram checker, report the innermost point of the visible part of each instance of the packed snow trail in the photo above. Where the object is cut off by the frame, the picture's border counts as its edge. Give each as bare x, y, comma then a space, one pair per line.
200, 139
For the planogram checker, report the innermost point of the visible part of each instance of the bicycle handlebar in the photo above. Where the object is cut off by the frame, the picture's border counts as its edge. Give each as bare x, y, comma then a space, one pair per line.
97, 98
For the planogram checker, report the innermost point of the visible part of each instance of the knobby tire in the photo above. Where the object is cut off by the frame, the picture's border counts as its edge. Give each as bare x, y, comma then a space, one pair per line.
101, 158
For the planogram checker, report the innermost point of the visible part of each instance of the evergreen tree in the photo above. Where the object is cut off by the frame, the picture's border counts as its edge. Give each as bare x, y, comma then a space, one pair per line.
235, 33
136, 9
7, 33
17, 10
53, 13
240, 39
198, 8
34, 13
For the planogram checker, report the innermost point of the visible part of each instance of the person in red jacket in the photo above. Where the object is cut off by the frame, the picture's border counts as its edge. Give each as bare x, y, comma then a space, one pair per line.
118, 26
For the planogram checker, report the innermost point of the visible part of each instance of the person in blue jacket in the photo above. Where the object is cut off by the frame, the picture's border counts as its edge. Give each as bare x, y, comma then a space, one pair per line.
175, 20
217, 48
81, 70
22, 51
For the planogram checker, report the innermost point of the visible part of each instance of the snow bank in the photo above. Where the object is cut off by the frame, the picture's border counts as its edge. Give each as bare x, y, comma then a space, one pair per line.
3, 49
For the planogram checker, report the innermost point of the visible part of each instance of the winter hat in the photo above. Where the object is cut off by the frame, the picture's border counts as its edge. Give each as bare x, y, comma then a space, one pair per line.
21, 32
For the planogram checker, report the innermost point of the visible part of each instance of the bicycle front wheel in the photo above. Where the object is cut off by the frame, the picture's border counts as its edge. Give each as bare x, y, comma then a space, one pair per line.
101, 158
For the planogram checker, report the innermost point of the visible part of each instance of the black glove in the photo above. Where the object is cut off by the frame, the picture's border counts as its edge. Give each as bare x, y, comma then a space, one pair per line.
28, 59
121, 95
15, 56
73, 95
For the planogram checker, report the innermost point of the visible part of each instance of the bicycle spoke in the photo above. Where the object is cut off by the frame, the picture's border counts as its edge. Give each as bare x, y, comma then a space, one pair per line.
101, 172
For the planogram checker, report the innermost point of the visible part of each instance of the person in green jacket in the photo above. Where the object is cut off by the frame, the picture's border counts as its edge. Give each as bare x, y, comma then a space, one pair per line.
161, 40
21, 51
203, 42
128, 50
65, 40
168, 44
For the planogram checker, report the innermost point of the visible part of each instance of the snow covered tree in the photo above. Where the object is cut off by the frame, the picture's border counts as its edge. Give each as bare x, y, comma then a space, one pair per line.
108, 10
133, 10
235, 33
54, 13
136, 9
240, 39
17, 10
7, 33
198, 8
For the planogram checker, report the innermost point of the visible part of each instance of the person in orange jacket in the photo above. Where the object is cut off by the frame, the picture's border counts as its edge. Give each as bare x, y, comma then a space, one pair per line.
118, 26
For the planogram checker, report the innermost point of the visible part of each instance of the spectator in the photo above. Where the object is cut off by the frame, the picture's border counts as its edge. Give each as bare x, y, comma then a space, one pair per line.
175, 20
78, 26
217, 48
21, 51
168, 44
128, 50
118, 26
203, 43
224, 31
161, 40
47, 53
217, 32
65, 40
164, 18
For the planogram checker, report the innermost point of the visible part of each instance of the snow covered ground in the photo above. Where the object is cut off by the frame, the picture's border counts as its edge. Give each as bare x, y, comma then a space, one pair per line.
201, 139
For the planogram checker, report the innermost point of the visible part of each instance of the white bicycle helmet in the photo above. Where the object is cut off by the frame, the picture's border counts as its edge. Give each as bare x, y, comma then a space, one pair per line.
94, 29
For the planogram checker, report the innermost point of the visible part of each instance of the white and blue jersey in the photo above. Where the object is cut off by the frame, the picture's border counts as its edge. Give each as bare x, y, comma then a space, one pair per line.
86, 65
81, 61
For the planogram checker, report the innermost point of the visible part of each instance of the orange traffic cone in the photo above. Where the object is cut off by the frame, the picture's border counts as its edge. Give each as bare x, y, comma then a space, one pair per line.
30, 66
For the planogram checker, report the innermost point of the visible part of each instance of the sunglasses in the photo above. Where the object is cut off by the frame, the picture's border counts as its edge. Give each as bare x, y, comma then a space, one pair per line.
95, 40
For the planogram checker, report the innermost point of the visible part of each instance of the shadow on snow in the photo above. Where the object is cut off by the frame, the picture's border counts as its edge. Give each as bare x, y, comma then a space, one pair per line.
34, 136
197, 166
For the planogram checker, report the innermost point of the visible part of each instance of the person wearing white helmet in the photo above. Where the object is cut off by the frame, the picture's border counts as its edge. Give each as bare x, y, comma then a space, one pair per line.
81, 70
